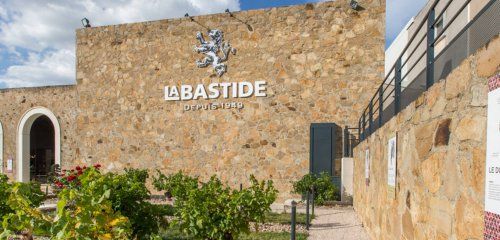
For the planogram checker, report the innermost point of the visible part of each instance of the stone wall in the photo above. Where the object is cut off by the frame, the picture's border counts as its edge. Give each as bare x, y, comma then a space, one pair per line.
441, 160
14, 103
321, 62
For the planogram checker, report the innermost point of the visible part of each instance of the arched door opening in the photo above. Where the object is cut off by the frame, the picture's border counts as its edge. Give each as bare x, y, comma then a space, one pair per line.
38, 145
41, 149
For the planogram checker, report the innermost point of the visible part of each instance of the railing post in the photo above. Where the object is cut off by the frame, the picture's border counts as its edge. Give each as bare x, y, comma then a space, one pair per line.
364, 125
380, 105
312, 201
397, 87
307, 210
346, 143
294, 211
370, 119
351, 146
430, 50
359, 130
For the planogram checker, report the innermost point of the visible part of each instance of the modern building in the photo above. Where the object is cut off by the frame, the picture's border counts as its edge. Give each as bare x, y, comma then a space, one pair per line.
469, 30
262, 92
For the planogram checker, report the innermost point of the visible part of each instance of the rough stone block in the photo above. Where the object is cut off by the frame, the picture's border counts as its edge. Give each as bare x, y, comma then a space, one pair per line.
471, 128
407, 226
488, 61
423, 139
468, 219
431, 171
459, 79
442, 136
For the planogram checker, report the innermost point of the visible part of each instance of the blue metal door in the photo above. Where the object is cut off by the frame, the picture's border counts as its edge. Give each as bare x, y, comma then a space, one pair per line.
322, 149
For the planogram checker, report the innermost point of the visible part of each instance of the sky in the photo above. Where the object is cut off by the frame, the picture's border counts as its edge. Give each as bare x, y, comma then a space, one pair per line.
398, 13
37, 38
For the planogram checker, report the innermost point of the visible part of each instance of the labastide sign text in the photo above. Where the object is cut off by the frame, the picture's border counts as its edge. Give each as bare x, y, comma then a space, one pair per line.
214, 91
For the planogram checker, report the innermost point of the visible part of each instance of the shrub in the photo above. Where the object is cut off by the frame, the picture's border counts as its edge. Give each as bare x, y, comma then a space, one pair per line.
4, 194
176, 185
18, 209
257, 199
31, 191
127, 196
214, 211
324, 189
70, 178
86, 211
91, 206
305, 184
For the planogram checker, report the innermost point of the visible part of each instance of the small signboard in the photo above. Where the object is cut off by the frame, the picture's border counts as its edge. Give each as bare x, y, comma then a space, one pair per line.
367, 167
492, 181
391, 167
9, 165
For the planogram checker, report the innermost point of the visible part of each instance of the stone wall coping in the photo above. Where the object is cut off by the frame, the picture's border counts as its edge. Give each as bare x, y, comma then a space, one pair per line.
37, 88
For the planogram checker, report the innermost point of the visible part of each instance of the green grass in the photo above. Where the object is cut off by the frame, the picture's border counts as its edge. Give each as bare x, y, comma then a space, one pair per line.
272, 236
285, 218
282, 218
173, 233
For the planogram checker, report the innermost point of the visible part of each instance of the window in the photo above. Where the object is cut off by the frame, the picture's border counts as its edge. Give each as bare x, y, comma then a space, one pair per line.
439, 25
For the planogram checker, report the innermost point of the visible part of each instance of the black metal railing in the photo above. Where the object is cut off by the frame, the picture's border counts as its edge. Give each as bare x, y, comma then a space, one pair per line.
349, 140
410, 76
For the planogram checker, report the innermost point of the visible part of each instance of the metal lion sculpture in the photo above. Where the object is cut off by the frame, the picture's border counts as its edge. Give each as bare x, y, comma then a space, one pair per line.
211, 49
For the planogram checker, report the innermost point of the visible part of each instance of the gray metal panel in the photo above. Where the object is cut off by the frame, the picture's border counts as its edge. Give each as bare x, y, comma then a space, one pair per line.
322, 149
485, 28
468, 41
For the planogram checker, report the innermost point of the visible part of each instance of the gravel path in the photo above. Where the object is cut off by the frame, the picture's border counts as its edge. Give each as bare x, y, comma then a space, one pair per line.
336, 223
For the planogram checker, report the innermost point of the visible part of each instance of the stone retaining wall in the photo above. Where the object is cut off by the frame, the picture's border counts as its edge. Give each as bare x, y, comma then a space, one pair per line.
441, 160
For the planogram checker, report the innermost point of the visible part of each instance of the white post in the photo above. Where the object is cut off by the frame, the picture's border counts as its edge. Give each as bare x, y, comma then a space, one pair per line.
347, 178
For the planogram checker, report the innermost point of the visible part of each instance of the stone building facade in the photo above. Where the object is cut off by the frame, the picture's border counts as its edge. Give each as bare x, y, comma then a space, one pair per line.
441, 152
320, 62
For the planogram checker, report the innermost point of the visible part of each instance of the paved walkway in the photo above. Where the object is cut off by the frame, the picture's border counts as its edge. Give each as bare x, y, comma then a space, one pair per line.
338, 223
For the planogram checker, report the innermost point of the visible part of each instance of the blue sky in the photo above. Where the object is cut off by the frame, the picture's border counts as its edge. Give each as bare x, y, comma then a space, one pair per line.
37, 37
398, 13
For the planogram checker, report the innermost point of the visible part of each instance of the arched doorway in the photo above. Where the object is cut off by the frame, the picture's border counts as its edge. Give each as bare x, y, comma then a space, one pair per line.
41, 149
38, 145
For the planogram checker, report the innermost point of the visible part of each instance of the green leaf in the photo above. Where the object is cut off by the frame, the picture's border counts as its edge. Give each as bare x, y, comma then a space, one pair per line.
60, 206
199, 223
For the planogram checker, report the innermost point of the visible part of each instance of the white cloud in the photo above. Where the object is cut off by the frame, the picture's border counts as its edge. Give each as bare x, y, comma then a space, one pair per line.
3, 12
46, 29
398, 13
54, 68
